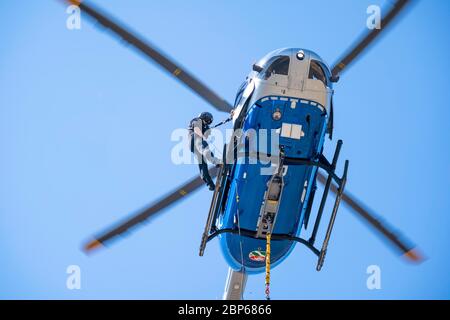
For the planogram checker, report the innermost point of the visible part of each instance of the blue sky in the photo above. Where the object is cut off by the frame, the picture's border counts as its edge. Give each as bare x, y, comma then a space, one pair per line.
85, 127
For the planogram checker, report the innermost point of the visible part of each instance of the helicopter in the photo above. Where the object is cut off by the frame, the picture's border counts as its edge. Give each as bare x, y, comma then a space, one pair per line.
258, 217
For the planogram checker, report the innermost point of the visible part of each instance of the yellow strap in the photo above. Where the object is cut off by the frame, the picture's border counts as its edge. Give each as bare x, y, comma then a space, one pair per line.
268, 236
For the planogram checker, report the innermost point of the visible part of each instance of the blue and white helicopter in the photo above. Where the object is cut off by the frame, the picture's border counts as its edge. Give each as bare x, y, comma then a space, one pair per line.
258, 216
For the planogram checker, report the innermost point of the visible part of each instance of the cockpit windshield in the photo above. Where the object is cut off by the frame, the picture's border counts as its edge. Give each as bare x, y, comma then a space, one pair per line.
275, 65
316, 72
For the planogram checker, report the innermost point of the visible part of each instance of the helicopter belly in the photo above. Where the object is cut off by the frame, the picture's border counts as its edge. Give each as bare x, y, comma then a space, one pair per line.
250, 252
249, 183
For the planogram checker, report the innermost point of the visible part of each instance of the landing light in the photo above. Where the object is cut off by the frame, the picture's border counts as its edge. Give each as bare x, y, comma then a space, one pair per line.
300, 55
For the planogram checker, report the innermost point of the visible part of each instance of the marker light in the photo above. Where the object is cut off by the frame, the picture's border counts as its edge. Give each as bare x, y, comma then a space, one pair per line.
300, 55
276, 115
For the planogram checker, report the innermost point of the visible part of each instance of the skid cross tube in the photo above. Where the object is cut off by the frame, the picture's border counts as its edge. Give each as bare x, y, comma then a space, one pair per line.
322, 164
274, 236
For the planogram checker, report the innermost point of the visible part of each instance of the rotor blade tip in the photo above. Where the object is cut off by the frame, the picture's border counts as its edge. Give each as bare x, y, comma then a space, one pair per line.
92, 245
72, 2
414, 255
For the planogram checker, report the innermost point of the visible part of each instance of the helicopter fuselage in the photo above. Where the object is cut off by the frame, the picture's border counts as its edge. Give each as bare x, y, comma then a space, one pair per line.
281, 96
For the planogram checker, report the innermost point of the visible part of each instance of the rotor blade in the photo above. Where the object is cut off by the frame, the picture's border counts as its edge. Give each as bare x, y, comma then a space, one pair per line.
157, 56
165, 202
366, 39
409, 251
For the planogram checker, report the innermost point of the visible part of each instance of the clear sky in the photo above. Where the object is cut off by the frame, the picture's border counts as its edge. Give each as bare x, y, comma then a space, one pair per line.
85, 127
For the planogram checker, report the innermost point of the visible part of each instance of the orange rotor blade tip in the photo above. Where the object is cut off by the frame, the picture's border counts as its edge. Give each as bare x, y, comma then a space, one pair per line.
92, 245
73, 2
414, 255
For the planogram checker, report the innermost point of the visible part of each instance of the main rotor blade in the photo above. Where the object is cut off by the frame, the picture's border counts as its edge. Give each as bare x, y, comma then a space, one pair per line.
409, 251
167, 201
157, 56
366, 39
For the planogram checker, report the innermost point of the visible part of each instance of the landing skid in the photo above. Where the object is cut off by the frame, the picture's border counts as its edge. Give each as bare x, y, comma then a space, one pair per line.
211, 231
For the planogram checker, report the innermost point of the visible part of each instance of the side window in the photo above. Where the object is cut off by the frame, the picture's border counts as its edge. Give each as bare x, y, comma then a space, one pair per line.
316, 72
240, 92
278, 65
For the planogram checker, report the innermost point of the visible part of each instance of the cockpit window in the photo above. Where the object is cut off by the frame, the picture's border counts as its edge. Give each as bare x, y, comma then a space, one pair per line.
316, 72
240, 92
276, 65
